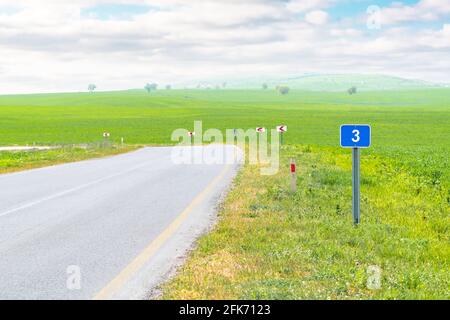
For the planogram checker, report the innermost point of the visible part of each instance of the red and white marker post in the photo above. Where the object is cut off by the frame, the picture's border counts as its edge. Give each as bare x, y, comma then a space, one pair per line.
293, 176
260, 129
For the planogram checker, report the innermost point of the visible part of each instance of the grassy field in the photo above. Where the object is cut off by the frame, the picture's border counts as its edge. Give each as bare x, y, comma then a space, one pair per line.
411, 126
270, 243
11, 161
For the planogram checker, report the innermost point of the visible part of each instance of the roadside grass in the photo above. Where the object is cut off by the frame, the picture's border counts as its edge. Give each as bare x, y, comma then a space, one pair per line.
11, 161
272, 244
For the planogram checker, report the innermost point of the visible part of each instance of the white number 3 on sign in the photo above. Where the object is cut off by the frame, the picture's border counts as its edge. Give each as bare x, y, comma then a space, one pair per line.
356, 138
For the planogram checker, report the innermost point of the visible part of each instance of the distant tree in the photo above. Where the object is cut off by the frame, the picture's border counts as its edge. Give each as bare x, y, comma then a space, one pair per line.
352, 90
149, 87
168, 87
283, 90
217, 87
265, 86
224, 84
92, 87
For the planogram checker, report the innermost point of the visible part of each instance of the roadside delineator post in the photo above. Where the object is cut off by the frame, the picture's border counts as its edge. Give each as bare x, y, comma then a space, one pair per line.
235, 142
191, 135
293, 176
121, 141
106, 136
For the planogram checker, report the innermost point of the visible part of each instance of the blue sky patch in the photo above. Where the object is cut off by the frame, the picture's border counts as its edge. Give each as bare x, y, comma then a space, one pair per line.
115, 11
9, 10
351, 8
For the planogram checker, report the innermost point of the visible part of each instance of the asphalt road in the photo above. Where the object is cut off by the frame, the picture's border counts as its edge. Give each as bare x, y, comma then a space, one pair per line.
109, 228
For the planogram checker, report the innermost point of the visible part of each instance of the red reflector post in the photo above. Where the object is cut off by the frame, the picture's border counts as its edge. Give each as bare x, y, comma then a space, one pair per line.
293, 176
293, 168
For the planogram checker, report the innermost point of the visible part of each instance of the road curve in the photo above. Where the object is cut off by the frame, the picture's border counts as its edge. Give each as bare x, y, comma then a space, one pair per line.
108, 228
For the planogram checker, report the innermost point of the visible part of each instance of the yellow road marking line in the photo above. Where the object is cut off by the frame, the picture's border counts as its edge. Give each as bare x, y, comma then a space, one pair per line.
153, 247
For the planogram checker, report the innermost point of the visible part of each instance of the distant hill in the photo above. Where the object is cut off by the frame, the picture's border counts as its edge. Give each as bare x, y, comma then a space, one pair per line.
328, 82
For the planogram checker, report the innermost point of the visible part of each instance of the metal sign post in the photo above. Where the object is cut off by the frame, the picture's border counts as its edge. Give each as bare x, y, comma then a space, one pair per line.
281, 129
356, 184
356, 137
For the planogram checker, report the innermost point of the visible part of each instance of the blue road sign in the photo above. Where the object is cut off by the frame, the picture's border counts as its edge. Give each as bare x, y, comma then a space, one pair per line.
355, 136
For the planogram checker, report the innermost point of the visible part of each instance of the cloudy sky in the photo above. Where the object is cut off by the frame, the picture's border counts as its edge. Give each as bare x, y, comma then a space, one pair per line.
63, 45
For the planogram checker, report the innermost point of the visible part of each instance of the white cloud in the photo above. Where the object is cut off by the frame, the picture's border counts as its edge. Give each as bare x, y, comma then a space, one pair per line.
317, 17
52, 47
303, 6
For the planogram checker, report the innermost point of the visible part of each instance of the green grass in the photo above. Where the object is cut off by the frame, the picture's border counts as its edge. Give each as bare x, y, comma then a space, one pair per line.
400, 119
270, 243
11, 161
409, 126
